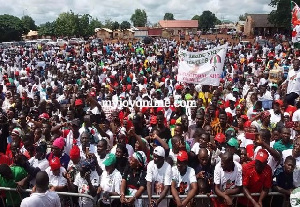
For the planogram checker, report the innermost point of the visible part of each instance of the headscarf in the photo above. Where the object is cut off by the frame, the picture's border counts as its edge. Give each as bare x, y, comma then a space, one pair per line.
140, 157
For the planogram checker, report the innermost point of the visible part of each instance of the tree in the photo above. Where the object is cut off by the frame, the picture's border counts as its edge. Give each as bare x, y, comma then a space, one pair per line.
243, 17
108, 23
197, 17
139, 18
207, 20
115, 25
281, 17
28, 24
125, 25
94, 23
83, 25
169, 16
11, 28
67, 24
47, 29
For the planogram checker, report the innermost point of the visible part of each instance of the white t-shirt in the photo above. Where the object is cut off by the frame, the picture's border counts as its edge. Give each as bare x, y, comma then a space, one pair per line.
229, 110
275, 118
129, 150
296, 115
159, 178
56, 180
48, 199
196, 148
228, 180
111, 183
42, 164
83, 187
293, 79
183, 182
296, 174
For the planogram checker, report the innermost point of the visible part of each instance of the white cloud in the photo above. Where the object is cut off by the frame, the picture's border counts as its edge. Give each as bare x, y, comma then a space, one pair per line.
119, 10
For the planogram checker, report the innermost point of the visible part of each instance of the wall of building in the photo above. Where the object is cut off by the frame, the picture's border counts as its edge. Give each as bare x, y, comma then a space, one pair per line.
248, 28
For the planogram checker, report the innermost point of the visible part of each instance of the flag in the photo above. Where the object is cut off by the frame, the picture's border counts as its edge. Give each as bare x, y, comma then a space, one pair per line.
295, 22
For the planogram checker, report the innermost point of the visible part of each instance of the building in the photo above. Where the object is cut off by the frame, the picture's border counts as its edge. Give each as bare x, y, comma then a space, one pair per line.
104, 33
128, 34
155, 32
117, 34
179, 27
140, 32
259, 25
31, 35
240, 25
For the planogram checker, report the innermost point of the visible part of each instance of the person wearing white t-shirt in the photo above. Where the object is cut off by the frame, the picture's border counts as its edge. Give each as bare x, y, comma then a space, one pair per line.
184, 180
159, 177
55, 172
296, 114
41, 196
110, 183
86, 182
227, 177
292, 83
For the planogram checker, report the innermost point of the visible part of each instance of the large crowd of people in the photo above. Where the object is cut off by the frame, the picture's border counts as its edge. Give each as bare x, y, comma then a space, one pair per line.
56, 135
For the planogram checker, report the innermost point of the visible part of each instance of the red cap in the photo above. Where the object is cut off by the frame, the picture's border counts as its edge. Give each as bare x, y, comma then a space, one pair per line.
78, 102
55, 163
75, 152
44, 116
262, 155
244, 117
93, 94
182, 156
153, 120
220, 137
280, 102
247, 124
179, 87
173, 122
17, 73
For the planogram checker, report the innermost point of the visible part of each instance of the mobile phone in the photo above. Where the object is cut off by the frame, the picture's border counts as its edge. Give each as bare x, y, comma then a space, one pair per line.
249, 135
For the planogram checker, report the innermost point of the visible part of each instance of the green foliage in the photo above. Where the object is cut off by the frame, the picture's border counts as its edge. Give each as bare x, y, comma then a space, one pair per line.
67, 24
281, 17
47, 29
169, 16
139, 18
11, 28
108, 23
207, 20
94, 23
28, 24
115, 25
243, 17
125, 25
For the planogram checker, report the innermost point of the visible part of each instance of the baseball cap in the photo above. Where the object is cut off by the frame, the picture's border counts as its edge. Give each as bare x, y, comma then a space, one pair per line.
220, 137
182, 156
54, 163
59, 142
159, 151
280, 102
262, 155
110, 160
78, 102
235, 90
44, 116
75, 152
233, 142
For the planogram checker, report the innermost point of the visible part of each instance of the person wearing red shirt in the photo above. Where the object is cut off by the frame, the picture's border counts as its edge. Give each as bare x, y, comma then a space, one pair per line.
257, 178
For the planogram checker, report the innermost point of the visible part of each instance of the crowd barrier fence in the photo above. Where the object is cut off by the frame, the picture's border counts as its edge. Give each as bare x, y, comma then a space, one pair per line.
144, 197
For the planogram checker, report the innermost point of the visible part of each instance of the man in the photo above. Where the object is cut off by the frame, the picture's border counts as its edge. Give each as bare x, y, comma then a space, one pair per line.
41, 196
257, 178
227, 178
159, 177
183, 180
221, 125
292, 83
285, 142
295, 152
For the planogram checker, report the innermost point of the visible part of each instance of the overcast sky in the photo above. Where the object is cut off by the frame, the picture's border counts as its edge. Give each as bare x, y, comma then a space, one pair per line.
119, 10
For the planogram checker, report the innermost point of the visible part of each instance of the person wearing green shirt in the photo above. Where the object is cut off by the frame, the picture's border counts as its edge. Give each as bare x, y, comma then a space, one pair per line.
285, 142
8, 178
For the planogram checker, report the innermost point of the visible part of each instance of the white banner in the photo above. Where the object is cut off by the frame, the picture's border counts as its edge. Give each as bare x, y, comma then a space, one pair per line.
203, 67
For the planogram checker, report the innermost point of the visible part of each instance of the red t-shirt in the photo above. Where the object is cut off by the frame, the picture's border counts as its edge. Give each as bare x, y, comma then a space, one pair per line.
4, 159
255, 182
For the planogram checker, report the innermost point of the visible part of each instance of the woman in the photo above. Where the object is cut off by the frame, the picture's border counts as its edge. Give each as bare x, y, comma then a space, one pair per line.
133, 180
122, 157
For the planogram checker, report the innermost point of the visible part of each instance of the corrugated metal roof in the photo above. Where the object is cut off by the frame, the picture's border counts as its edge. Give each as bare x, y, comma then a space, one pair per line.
178, 23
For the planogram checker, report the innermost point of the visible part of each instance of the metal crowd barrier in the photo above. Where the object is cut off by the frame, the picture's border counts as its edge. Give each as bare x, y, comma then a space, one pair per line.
270, 194
71, 204
28, 191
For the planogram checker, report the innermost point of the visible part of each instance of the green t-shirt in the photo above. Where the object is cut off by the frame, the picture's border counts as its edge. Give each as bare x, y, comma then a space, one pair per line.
279, 146
13, 198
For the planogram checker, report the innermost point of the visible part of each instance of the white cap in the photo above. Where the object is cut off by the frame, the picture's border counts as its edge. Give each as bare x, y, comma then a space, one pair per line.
159, 151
